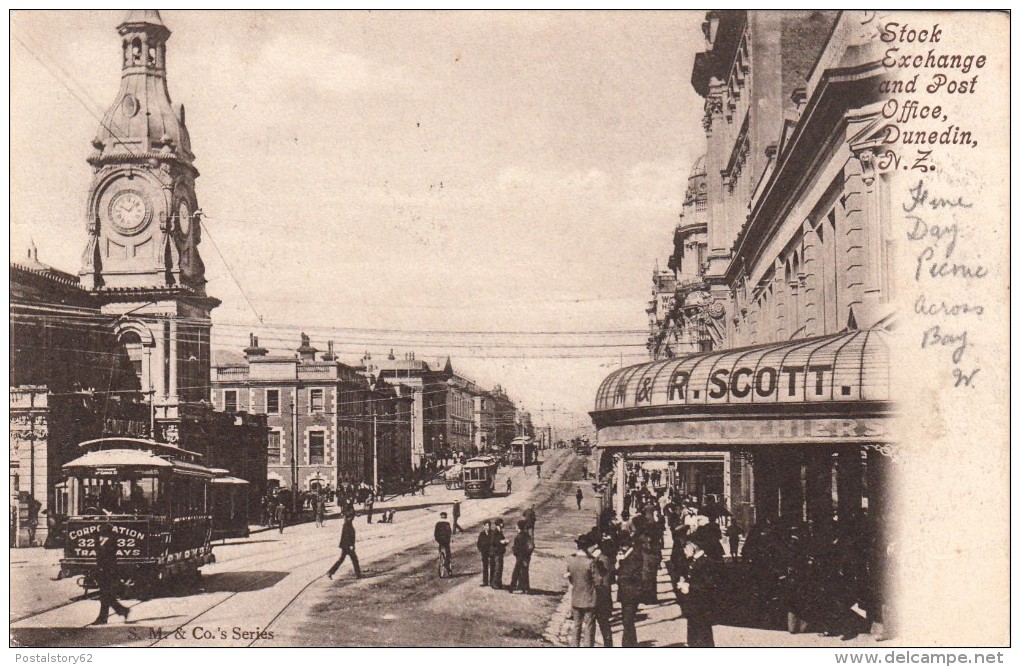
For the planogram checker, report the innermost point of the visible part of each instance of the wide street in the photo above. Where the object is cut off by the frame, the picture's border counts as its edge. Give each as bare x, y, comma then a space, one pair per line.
271, 589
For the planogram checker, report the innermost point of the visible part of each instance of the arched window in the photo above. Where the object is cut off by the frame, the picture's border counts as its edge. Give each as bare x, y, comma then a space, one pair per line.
132, 343
136, 51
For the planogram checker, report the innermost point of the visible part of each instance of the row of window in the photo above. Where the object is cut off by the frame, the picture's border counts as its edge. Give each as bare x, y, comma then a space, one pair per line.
316, 447
316, 401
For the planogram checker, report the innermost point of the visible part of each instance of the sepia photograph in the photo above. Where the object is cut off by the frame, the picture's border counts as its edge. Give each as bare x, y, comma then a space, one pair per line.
510, 329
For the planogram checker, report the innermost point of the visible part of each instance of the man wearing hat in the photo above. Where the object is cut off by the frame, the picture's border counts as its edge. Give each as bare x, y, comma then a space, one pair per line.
583, 594
699, 589
484, 547
347, 536
106, 576
497, 549
443, 535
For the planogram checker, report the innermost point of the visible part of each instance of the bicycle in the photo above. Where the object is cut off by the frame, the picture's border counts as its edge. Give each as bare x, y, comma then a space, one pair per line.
445, 569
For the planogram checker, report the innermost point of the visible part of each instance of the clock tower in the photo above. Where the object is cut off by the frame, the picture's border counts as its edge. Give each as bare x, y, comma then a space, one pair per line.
144, 227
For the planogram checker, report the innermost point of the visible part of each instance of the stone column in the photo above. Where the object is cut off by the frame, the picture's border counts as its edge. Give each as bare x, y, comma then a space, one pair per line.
765, 483
621, 484
779, 304
810, 280
849, 481
818, 482
791, 486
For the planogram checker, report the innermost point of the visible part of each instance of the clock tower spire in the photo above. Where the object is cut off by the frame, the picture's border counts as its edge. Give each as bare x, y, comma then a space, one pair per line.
141, 256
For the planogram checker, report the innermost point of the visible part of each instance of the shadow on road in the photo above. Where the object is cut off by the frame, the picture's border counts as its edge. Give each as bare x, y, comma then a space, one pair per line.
236, 582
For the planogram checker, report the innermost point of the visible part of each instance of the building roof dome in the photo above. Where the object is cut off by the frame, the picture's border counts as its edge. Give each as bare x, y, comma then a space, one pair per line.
699, 168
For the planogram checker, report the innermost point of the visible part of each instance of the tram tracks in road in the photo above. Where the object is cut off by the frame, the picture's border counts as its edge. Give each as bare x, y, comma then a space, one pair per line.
250, 587
318, 555
540, 498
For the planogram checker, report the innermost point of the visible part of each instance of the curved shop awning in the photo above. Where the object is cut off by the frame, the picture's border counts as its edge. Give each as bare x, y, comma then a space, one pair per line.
847, 367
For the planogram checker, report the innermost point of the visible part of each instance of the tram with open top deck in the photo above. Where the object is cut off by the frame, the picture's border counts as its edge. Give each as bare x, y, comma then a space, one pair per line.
480, 476
157, 499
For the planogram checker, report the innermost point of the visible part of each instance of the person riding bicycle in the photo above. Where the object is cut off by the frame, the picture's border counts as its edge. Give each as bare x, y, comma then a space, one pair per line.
443, 534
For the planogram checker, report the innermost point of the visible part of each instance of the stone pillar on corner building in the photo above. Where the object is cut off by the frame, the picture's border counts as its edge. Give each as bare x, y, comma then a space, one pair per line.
810, 278
864, 208
818, 483
849, 481
781, 326
850, 243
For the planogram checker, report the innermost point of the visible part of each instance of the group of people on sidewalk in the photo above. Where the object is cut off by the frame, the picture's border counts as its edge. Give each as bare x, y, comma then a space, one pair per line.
627, 552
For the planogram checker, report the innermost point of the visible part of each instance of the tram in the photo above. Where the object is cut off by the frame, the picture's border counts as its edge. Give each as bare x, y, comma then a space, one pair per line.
228, 505
155, 496
480, 476
454, 477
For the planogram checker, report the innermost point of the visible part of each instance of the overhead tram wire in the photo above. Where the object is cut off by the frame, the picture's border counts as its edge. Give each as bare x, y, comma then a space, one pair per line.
339, 330
80, 98
470, 351
343, 335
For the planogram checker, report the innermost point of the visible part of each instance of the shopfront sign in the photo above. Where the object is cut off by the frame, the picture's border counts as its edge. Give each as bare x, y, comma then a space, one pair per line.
746, 432
847, 367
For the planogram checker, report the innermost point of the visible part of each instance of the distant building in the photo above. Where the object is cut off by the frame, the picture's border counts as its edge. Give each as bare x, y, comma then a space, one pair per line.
678, 314
450, 413
327, 423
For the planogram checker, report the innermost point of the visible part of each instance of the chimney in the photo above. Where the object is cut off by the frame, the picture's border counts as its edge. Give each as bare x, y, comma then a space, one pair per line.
253, 349
306, 352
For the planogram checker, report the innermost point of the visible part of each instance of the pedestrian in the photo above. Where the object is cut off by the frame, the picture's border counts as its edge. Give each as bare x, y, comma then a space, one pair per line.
456, 516
347, 539
630, 585
509, 486
281, 516
733, 532
531, 518
581, 575
699, 589
604, 574
369, 506
443, 534
107, 576
497, 549
484, 546
579, 496
538, 469
522, 549
320, 511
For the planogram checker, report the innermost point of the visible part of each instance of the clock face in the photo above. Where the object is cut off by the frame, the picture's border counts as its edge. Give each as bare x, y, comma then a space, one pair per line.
128, 212
184, 218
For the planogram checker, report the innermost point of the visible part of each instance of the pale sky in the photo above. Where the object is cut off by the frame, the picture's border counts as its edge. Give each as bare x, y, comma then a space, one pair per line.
469, 171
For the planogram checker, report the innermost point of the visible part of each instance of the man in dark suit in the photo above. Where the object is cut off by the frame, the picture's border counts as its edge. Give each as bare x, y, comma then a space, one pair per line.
347, 536
107, 577
699, 589
520, 580
484, 546
443, 534
497, 549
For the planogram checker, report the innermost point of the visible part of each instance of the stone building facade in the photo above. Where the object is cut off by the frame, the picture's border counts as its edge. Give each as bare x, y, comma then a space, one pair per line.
786, 416
328, 422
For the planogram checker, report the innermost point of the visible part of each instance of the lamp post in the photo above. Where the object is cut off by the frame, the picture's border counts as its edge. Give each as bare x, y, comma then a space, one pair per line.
372, 380
293, 456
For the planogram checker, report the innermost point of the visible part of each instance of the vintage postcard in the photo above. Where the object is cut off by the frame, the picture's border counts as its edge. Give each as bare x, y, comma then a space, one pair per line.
510, 329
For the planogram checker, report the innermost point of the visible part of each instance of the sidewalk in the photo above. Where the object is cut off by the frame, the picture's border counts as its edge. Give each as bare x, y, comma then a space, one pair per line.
661, 625
437, 499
